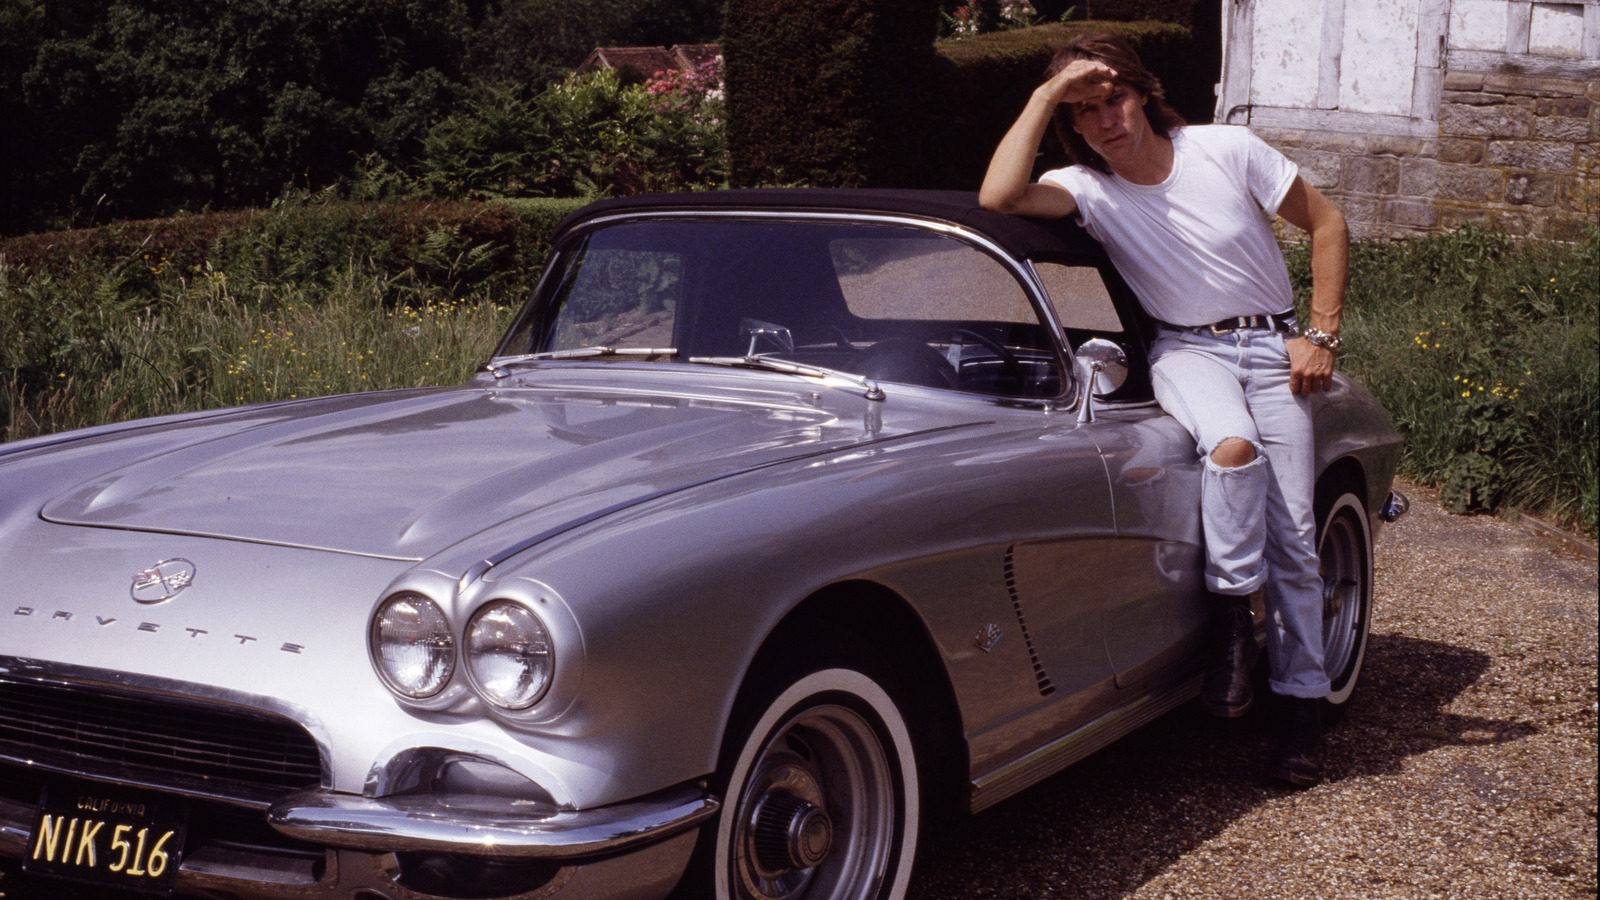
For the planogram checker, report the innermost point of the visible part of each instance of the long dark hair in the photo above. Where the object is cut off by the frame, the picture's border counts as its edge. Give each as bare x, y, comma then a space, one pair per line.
1117, 53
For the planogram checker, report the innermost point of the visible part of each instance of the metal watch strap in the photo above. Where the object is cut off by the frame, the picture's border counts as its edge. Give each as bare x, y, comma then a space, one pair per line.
1320, 338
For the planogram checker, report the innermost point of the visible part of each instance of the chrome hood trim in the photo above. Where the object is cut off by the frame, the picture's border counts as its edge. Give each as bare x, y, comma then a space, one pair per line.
400, 477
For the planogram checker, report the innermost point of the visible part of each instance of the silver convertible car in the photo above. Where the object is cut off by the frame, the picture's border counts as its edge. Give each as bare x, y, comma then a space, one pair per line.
779, 522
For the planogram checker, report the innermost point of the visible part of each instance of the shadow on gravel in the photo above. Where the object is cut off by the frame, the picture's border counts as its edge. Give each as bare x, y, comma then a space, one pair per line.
1114, 821
1107, 825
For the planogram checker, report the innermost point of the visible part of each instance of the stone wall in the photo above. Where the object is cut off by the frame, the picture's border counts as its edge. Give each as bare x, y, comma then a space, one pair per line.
1501, 126
1514, 151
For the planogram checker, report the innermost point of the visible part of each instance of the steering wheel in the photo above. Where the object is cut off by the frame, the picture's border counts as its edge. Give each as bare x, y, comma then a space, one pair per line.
1009, 364
906, 360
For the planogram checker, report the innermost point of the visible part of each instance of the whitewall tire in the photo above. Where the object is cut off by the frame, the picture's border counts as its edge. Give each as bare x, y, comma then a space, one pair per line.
1344, 544
823, 798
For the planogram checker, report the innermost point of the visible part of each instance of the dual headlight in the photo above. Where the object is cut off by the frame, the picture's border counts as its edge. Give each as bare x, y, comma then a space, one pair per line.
509, 657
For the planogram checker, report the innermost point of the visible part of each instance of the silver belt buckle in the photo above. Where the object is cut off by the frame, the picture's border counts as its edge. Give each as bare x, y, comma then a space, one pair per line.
1219, 332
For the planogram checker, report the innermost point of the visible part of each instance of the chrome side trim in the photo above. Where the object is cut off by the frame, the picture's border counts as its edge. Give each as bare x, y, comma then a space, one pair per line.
991, 788
487, 826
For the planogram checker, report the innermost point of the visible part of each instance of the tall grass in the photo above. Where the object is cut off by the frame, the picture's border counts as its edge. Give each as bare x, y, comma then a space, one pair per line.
209, 348
1484, 352
306, 299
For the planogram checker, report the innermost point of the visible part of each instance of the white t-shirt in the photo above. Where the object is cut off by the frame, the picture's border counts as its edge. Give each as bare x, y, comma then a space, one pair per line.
1198, 247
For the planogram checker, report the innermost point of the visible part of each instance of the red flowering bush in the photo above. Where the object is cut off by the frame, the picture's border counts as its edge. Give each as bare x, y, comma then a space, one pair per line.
697, 92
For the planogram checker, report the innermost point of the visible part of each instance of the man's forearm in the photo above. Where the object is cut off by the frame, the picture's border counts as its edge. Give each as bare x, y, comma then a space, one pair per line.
1011, 168
1305, 208
1330, 270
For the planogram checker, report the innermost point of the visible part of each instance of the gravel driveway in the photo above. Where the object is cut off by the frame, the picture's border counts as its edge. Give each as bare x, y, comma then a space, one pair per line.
1465, 767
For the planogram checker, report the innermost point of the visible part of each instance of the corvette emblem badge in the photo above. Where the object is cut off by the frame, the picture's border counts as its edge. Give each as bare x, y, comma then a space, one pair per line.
162, 581
987, 637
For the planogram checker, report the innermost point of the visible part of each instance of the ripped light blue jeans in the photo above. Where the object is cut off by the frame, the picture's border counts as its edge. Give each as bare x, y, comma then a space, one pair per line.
1258, 518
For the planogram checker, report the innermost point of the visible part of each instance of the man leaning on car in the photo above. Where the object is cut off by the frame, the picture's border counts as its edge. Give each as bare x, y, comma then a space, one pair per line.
1185, 212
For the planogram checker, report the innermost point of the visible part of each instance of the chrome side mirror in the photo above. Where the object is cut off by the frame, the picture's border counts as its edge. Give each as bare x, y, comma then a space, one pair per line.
1102, 368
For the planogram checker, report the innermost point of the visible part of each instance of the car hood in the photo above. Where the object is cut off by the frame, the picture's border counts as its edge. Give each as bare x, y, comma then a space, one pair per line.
403, 476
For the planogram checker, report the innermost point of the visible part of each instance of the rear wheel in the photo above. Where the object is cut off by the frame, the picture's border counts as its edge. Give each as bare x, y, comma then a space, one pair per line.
822, 799
1345, 547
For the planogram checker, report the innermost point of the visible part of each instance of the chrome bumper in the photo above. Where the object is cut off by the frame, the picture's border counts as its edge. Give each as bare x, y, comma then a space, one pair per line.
487, 826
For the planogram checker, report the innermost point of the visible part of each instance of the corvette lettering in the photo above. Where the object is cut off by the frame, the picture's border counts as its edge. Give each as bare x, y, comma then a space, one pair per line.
63, 615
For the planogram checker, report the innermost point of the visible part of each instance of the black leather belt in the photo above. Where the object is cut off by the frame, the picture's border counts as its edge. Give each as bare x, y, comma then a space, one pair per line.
1280, 322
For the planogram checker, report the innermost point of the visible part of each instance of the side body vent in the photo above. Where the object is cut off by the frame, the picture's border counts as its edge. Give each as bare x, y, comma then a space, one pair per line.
1046, 687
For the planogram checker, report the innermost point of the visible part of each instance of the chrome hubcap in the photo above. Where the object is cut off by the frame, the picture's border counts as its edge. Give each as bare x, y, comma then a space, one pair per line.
817, 816
791, 833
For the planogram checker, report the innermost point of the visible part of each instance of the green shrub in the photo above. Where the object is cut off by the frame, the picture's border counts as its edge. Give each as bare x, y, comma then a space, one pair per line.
543, 214
1486, 353
136, 108
587, 135
454, 246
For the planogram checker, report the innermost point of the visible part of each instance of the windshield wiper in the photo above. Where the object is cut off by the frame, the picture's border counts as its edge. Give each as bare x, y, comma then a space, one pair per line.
497, 366
773, 364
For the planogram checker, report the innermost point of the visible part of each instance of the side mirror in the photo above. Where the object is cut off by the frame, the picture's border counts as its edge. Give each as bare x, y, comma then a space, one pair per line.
1102, 368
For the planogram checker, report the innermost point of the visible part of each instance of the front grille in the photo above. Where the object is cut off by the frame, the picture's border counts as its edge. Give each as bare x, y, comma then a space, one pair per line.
234, 752
231, 752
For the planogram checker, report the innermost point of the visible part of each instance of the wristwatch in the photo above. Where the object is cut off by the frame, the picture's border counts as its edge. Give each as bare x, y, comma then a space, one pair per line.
1320, 338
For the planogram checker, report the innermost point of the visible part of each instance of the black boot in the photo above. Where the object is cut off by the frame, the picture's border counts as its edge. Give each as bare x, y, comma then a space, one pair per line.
1296, 762
1227, 691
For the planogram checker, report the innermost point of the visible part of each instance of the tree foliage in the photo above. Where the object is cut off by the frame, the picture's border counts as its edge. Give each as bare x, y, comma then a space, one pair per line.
124, 109
118, 109
149, 106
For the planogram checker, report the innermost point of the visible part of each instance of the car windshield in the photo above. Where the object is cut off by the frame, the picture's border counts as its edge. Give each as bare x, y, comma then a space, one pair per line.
887, 302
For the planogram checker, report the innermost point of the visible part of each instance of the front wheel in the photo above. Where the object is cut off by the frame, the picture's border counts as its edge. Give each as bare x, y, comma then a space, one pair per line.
1345, 547
822, 797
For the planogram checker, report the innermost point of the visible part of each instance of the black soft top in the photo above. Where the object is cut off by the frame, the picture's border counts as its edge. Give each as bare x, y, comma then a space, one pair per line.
1026, 238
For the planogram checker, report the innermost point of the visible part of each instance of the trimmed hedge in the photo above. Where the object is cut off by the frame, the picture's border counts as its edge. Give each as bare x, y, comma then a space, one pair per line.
313, 240
818, 92
1180, 11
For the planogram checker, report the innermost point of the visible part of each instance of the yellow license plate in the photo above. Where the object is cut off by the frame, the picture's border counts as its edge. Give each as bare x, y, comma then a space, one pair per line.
98, 835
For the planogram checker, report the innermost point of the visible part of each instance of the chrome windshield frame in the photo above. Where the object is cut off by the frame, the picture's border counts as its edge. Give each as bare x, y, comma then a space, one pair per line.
1020, 269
